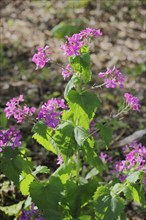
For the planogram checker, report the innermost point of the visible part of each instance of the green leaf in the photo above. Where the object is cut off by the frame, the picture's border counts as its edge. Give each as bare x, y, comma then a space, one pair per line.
3, 120
85, 217
9, 153
118, 188
81, 64
71, 84
100, 191
107, 207
43, 135
93, 172
135, 193
25, 183
67, 115
64, 139
82, 107
132, 178
117, 206
87, 190
105, 132
78, 196
91, 156
63, 28
68, 169
47, 197
12, 166
80, 135
71, 198
41, 169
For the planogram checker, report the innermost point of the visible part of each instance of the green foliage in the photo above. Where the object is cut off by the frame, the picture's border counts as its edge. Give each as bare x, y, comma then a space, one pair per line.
82, 107
80, 135
64, 139
64, 28
132, 178
91, 157
105, 132
71, 84
43, 135
25, 183
81, 64
135, 192
49, 194
77, 197
41, 169
106, 206
13, 164
3, 120
66, 171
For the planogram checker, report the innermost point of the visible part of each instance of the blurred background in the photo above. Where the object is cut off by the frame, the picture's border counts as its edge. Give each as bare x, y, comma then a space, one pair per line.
30, 23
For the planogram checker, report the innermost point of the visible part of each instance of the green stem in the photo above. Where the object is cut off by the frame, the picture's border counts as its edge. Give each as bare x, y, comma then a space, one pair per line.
93, 87
78, 166
121, 112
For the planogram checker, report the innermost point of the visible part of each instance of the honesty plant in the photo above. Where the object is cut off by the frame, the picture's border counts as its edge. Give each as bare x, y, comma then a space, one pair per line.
81, 188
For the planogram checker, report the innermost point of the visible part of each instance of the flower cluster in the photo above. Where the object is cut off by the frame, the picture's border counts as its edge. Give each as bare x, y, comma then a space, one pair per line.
91, 32
132, 101
135, 159
31, 214
19, 113
105, 157
74, 43
66, 72
59, 160
41, 58
10, 137
112, 78
49, 112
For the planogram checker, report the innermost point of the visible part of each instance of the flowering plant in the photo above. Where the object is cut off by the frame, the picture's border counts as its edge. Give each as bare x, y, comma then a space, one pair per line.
68, 128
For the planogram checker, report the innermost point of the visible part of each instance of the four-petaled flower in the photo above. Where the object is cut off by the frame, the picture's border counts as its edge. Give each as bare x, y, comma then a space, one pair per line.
10, 137
49, 112
112, 78
41, 57
20, 113
132, 101
74, 43
66, 72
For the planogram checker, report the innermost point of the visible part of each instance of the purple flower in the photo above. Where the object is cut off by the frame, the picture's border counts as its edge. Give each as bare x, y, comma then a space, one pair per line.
66, 72
41, 58
132, 101
19, 113
112, 78
31, 214
73, 45
59, 160
122, 178
91, 32
10, 137
49, 112
135, 159
105, 157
